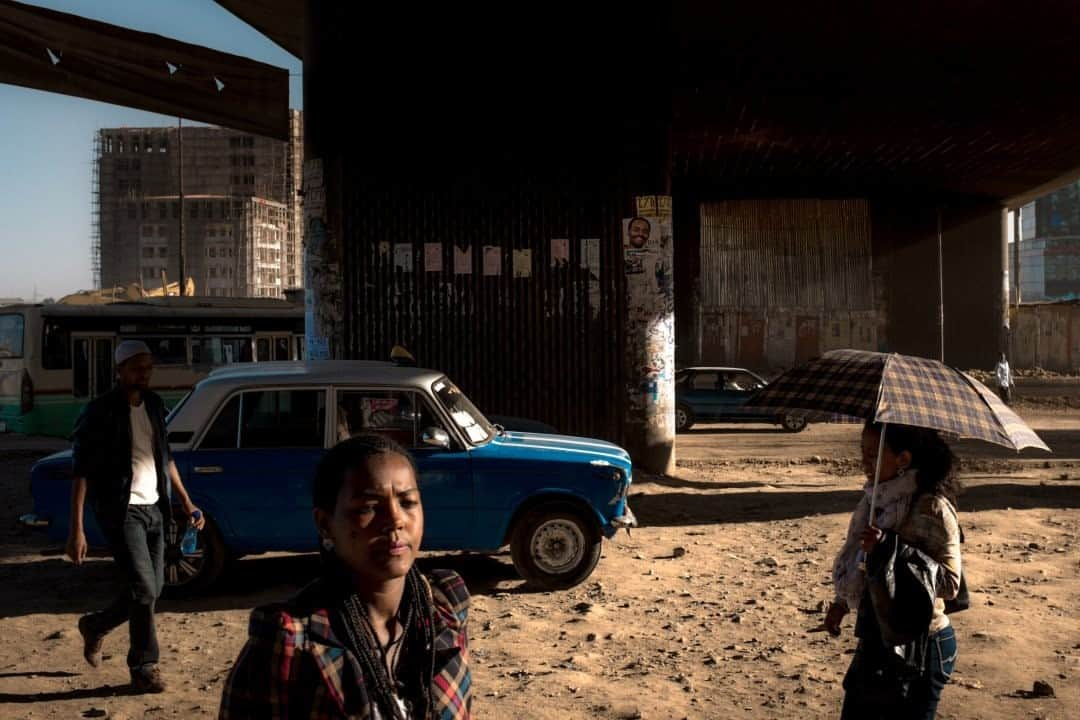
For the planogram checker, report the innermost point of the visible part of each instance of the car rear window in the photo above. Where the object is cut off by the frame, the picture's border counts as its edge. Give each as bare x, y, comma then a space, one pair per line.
283, 418
222, 434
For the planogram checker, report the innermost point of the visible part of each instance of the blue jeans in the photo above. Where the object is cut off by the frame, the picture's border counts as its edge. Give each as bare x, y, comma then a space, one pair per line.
137, 542
924, 692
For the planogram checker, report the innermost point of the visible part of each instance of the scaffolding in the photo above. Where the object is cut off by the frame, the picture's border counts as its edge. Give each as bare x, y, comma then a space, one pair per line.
95, 214
137, 212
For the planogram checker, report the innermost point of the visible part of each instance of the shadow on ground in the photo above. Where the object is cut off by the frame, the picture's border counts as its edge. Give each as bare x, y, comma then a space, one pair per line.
52, 585
675, 509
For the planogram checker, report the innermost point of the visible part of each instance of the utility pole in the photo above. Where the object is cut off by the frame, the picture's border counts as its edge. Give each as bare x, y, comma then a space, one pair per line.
1018, 233
941, 288
180, 173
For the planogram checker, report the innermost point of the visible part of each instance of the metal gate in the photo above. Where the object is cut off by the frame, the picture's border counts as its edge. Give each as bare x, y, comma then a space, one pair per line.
515, 291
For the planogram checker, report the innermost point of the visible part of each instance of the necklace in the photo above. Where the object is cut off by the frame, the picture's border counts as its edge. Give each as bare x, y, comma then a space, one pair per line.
383, 665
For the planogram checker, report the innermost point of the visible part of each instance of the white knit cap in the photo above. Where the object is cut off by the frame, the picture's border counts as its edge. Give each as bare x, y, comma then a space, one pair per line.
129, 349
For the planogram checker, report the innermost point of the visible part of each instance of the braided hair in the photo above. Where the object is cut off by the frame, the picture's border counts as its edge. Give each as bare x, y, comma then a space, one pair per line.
416, 613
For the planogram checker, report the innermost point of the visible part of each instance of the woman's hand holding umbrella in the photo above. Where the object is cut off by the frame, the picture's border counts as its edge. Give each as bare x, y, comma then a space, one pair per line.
870, 537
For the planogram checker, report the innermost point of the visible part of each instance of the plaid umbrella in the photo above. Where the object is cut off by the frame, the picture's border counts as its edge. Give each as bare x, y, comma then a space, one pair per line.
898, 389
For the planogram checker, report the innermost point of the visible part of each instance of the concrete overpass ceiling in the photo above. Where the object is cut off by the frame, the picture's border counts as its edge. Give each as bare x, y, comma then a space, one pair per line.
968, 98
280, 20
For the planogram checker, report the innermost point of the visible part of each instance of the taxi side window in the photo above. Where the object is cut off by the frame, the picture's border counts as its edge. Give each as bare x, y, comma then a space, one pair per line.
401, 415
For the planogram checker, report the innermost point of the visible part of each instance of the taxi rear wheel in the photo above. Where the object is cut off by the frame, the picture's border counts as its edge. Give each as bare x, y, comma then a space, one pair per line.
555, 546
190, 573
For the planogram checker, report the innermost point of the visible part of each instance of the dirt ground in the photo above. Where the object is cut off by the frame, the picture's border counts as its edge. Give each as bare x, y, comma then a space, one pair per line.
726, 626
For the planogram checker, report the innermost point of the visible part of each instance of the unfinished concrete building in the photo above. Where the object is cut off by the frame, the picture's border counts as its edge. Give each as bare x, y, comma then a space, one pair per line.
242, 222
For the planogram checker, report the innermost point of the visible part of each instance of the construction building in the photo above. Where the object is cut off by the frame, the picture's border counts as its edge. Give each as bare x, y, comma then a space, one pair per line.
239, 202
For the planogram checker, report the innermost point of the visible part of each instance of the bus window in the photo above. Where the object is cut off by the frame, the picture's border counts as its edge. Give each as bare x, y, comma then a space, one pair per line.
166, 350
81, 385
55, 346
281, 348
220, 351
11, 336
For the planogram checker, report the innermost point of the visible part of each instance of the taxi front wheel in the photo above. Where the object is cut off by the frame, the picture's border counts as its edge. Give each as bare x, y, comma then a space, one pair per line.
555, 546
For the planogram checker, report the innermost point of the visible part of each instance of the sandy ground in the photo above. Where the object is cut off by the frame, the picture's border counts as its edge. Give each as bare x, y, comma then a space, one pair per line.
725, 627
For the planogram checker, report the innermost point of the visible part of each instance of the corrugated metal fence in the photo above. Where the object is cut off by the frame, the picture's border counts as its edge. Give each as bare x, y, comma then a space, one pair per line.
807, 254
540, 339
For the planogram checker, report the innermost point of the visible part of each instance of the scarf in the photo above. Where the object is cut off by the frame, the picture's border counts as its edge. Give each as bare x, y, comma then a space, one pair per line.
891, 509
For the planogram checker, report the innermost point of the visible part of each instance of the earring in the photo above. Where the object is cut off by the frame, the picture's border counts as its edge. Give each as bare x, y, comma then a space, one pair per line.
328, 544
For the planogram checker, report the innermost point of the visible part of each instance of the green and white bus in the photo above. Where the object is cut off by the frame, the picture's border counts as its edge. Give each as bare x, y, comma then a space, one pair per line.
55, 358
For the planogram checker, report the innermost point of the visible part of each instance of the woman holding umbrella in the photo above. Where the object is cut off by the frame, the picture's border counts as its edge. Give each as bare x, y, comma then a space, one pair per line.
915, 495
909, 494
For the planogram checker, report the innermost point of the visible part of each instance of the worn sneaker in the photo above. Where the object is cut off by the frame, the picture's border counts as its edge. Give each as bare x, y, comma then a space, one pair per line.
91, 642
147, 679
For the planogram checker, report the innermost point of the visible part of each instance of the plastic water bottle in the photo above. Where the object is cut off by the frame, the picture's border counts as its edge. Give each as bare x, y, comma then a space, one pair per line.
187, 544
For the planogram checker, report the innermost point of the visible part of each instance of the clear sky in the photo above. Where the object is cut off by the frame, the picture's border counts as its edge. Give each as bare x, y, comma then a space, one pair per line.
46, 143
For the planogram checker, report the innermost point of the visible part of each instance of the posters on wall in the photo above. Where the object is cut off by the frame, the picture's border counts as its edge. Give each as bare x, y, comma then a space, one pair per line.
522, 263
646, 205
590, 256
463, 261
433, 257
560, 252
492, 260
403, 257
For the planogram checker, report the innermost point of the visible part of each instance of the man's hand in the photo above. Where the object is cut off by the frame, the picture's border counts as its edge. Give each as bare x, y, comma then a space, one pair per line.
76, 546
198, 520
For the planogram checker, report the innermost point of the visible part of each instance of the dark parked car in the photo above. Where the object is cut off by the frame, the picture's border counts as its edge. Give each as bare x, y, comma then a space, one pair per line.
719, 394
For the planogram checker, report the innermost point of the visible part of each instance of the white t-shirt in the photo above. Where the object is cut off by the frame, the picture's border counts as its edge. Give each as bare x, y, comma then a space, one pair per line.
143, 470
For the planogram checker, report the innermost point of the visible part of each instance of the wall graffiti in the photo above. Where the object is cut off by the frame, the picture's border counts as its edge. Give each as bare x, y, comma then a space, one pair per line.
648, 264
322, 314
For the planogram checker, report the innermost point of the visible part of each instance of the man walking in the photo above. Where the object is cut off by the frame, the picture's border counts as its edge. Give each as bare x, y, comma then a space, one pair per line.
1004, 379
121, 462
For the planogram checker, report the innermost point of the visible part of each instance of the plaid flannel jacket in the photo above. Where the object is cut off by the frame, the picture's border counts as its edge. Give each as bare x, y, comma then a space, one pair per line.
932, 526
294, 666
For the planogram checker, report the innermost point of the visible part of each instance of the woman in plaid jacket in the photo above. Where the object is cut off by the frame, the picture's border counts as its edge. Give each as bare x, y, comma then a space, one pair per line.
373, 638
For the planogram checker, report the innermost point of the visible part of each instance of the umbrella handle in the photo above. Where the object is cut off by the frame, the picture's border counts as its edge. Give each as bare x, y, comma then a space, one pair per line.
877, 472
873, 493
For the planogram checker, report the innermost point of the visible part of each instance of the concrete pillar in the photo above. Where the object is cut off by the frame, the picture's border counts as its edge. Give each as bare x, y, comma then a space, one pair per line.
649, 263
325, 50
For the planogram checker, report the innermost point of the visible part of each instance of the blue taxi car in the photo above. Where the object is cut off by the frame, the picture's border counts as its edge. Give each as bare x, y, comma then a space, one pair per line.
248, 437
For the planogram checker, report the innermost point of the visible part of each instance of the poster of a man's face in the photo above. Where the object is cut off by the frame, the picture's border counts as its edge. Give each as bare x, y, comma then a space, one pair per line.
638, 233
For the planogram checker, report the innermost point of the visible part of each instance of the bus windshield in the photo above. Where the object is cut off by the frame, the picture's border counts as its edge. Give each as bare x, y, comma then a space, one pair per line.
11, 335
